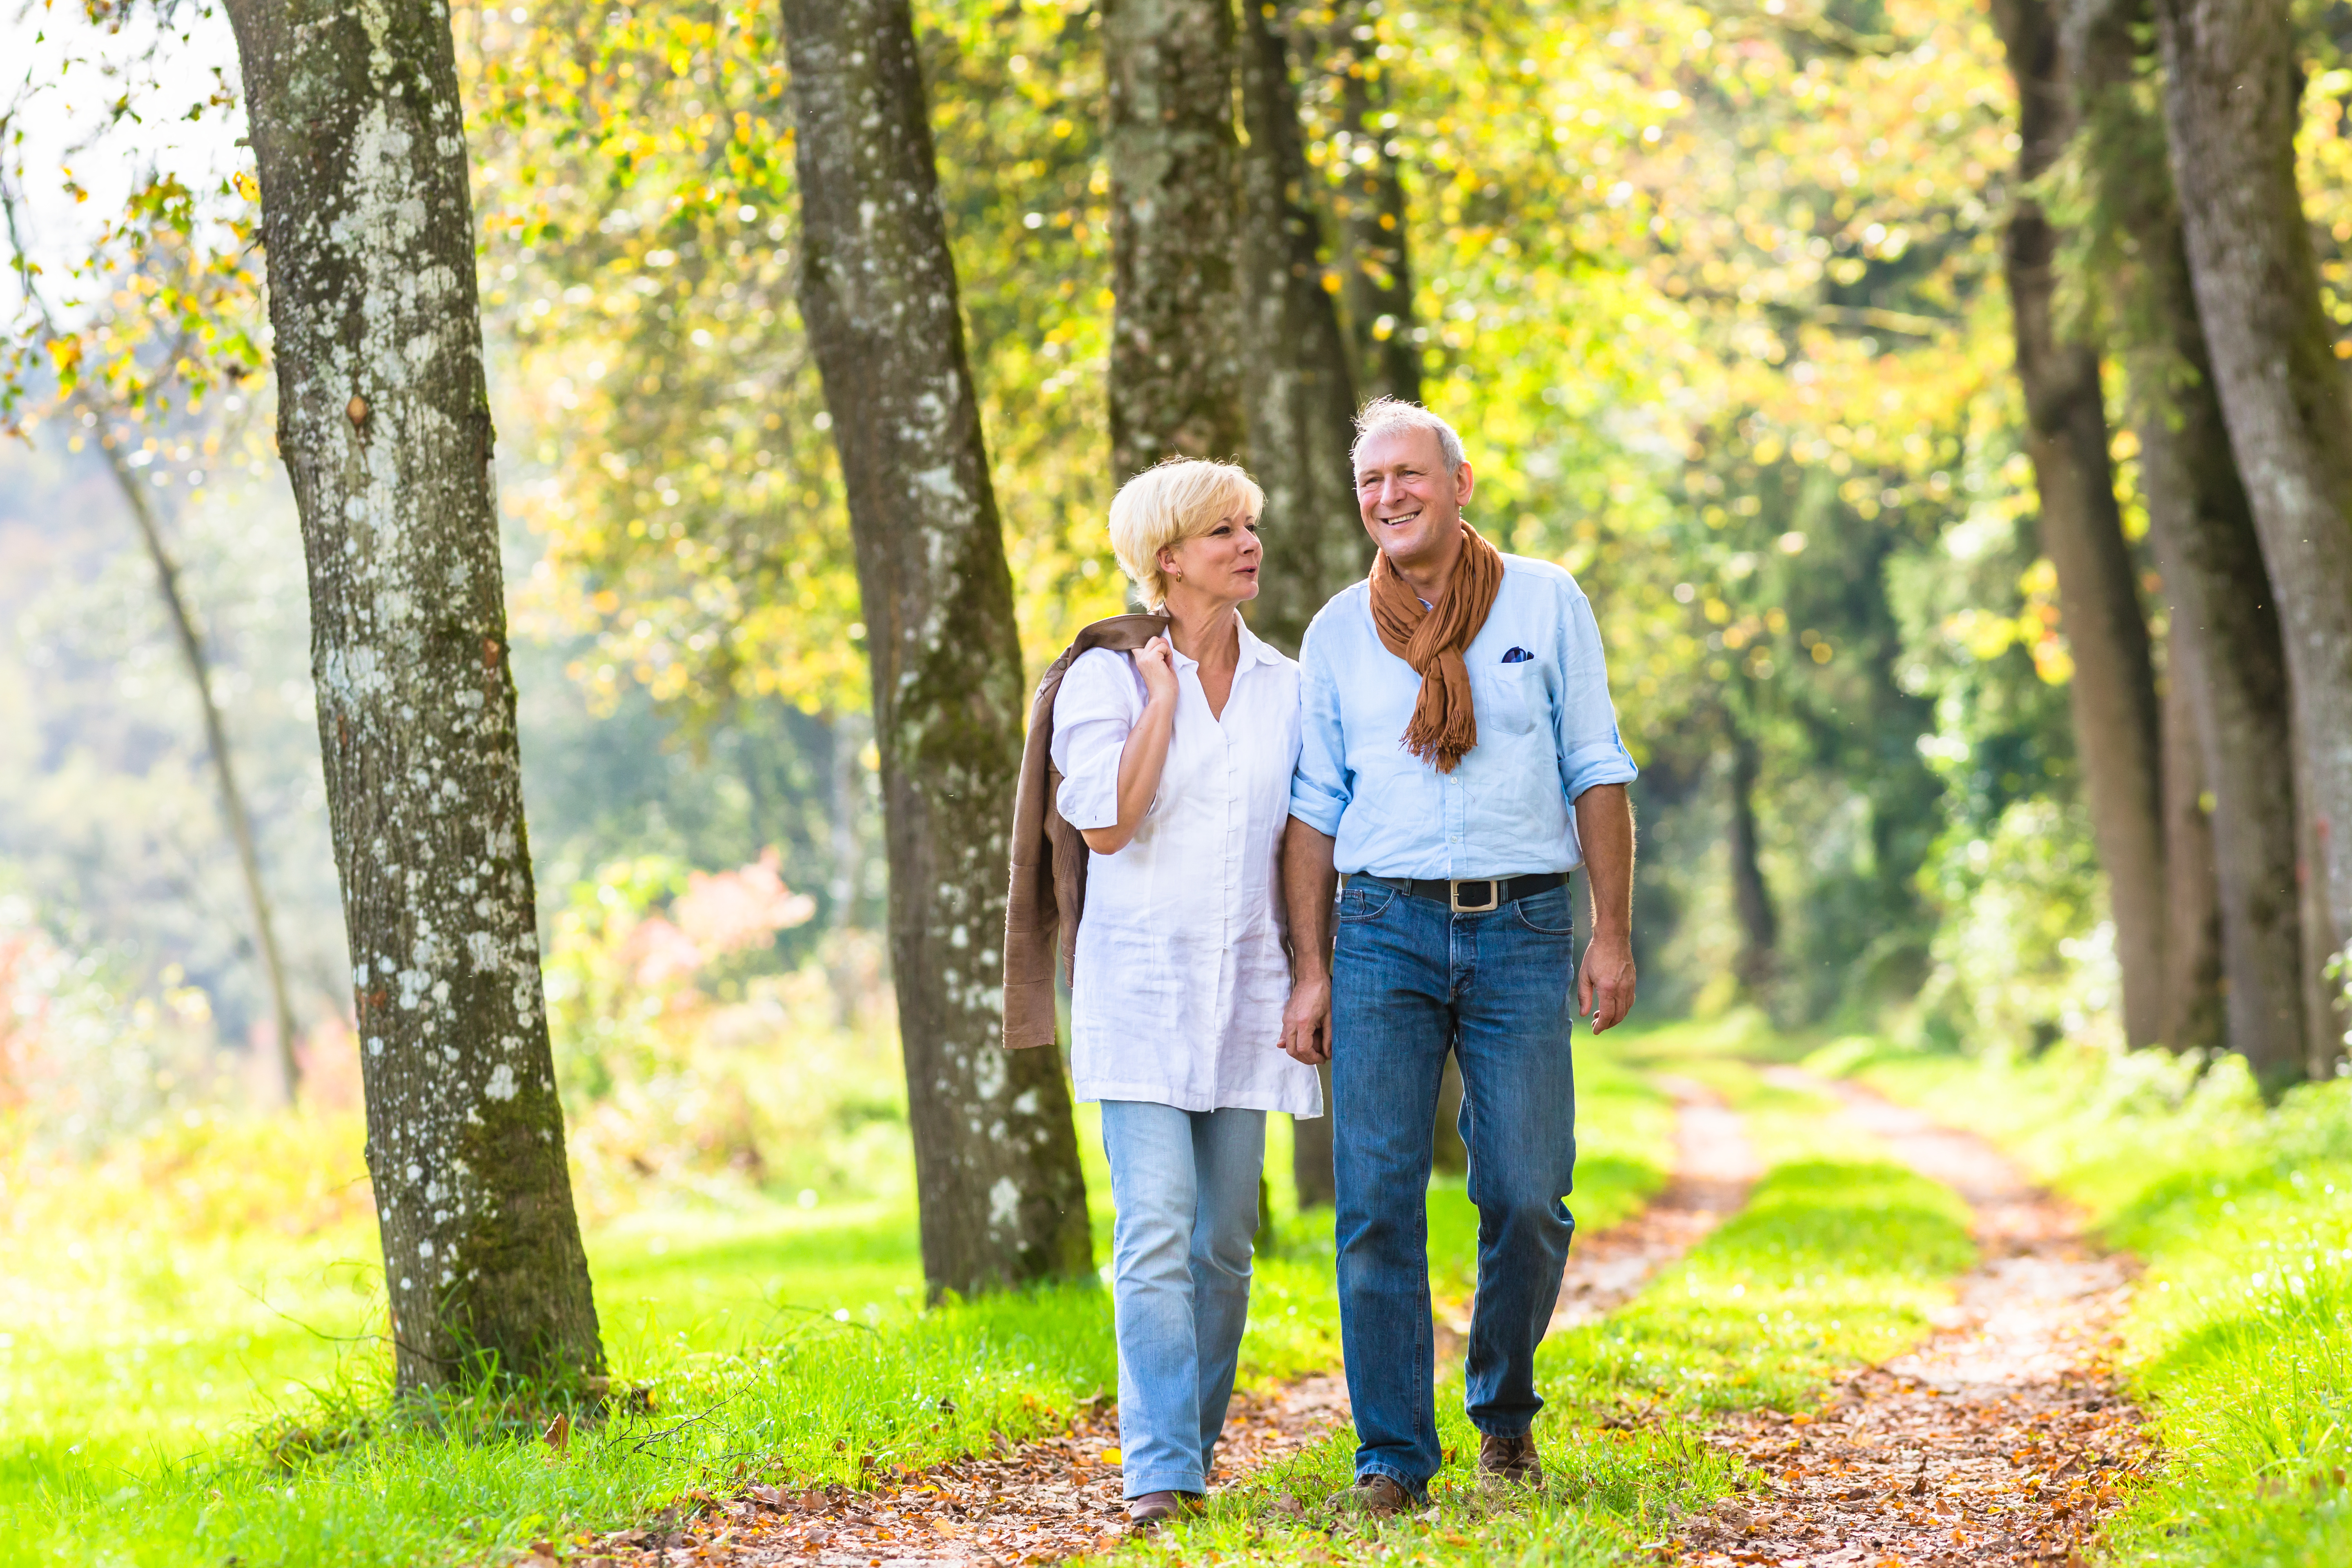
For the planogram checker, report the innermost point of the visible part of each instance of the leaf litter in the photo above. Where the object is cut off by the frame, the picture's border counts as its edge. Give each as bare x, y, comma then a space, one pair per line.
2002, 1440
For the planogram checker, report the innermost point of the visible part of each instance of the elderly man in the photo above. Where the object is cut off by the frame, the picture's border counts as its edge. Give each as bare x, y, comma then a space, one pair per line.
1460, 758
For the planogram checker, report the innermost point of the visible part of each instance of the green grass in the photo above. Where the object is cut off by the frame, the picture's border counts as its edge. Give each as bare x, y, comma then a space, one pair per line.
2239, 1337
188, 1317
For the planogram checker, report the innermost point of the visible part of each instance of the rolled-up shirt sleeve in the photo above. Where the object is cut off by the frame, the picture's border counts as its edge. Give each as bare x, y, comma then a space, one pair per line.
1321, 787
1094, 712
1592, 751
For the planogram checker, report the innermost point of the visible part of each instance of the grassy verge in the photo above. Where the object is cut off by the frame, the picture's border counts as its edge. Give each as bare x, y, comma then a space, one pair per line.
1838, 1259
193, 1377
2240, 1337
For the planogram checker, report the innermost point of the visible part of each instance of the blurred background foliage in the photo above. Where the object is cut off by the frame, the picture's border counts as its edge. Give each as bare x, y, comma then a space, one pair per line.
1713, 292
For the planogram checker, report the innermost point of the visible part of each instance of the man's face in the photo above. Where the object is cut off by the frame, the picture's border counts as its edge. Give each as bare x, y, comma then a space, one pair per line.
1409, 500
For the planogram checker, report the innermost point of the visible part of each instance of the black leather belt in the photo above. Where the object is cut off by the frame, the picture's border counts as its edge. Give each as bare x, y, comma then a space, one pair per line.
1473, 895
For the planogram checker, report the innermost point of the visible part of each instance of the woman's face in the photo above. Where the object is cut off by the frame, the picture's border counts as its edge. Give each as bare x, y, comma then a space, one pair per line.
1221, 564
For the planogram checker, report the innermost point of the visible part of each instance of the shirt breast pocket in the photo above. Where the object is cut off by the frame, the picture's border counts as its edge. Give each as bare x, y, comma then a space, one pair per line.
1510, 696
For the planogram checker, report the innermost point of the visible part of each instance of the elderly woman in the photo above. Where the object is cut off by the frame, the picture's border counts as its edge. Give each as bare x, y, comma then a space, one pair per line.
1176, 762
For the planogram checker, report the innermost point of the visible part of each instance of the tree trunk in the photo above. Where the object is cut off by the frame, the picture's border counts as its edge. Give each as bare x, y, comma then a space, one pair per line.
1448, 1152
2192, 1019
233, 807
2113, 693
2228, 673
1175, 380
1375, 265
845, 798
384, 423
1299, 399
2231, 100
1311, 1173
996, 1157
1751, 899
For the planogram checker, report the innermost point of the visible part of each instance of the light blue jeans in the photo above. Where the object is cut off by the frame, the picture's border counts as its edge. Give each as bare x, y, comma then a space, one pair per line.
1185, 1185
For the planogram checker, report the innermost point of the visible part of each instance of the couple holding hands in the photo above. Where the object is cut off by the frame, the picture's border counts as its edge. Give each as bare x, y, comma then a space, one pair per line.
1445, 743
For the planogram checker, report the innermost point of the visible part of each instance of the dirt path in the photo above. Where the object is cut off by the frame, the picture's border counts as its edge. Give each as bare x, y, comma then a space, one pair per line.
1714, 1168
1054, 1499
2001, 1440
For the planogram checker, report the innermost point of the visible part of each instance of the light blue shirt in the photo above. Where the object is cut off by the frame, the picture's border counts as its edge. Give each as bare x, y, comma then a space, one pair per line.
1547, 733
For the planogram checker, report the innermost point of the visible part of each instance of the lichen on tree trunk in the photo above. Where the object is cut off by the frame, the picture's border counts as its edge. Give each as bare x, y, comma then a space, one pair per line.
384, 419
996, 1161
1175, 377
2232, 82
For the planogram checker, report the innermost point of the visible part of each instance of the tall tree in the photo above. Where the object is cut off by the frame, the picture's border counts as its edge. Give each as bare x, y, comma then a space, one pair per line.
1299, 399
385, 422
191, 642
1299, 404
1175, 381
2228, 671
1751, 897
1376, 272
996, 1157
2117, 723
2231, 86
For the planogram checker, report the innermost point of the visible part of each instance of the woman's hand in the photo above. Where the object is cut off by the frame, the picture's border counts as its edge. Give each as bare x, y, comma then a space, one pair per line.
1141, 759
1152, 661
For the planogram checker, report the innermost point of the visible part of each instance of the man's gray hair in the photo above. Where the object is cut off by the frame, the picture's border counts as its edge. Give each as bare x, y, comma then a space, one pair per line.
1385, 414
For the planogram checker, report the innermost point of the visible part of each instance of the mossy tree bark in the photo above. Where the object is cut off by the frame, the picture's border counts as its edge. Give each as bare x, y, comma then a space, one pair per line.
384, 423
2232, 88
2113, 695
1175, 380
996, 1158
2228, 669
1300, 398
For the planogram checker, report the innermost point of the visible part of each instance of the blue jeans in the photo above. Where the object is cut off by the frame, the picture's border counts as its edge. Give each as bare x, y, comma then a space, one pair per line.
1410, 980
1185, 1185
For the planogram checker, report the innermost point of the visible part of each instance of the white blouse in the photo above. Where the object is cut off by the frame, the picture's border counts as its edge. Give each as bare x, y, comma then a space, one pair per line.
1181, 975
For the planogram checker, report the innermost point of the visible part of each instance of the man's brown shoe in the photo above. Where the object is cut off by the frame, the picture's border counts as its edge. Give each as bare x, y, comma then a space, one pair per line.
1151, 1507
1376, 1495
1511, 1459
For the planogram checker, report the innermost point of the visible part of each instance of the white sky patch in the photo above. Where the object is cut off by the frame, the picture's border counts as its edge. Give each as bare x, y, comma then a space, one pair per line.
62, 79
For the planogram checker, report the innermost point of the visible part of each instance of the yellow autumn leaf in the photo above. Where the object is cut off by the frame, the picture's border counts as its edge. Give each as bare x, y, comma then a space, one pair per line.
247, 186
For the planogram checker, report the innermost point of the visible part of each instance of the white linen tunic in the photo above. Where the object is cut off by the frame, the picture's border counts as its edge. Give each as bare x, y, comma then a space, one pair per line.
1180, 973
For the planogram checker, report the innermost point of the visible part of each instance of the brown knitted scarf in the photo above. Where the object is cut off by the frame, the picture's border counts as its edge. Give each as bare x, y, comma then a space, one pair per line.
1444, 723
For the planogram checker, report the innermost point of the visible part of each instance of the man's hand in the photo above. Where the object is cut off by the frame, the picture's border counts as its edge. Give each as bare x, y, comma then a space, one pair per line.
1307, 1020
1308, 882
1604, 986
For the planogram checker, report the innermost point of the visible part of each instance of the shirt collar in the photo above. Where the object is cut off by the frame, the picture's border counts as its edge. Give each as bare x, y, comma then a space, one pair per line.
1252, 651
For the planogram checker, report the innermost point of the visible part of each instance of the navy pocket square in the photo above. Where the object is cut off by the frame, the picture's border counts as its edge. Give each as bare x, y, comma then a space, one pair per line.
1518, 656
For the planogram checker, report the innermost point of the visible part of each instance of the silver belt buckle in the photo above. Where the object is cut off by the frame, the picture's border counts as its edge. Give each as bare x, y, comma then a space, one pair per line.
1493, 895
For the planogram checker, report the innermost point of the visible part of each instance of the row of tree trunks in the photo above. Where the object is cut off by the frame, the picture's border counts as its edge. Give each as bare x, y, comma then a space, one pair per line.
2227, 672
384, 423
1002, 1199
2232, 85
2113, 693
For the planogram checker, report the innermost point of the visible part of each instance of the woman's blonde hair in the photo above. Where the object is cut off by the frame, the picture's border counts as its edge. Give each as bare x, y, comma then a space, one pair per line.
1181, 498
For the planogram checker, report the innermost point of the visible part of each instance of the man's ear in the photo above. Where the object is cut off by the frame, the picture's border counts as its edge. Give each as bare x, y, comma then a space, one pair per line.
1464, 483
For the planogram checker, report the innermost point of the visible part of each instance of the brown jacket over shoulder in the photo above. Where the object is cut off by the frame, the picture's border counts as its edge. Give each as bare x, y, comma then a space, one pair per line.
1049, 859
